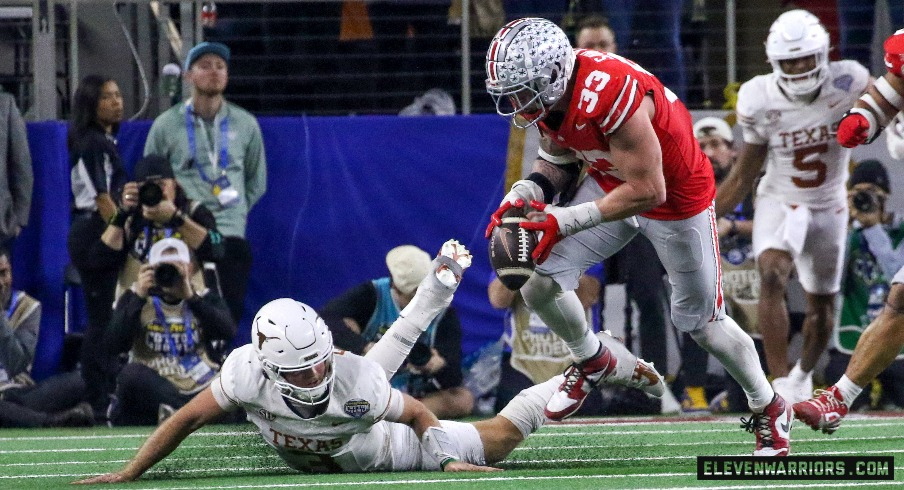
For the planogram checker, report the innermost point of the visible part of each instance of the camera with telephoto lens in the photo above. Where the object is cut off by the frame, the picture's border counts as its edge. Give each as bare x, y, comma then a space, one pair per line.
866, 201
166, 275
150, 194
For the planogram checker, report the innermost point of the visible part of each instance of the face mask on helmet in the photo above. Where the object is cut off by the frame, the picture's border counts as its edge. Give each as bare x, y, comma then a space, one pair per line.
798, 50
528, 66
295, 348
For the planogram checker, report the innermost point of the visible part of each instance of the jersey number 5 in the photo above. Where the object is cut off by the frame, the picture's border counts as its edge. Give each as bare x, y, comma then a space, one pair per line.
807, 160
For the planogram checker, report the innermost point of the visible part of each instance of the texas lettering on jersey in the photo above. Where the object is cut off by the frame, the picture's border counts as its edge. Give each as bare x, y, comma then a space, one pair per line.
289, 441
608, 91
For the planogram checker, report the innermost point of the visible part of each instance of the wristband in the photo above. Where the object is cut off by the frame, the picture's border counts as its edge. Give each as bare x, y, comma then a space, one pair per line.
178, 219
443, 463
118, 219
549, 190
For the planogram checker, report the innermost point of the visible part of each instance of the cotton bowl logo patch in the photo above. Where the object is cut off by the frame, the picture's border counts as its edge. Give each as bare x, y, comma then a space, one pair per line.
843, 82
357, 408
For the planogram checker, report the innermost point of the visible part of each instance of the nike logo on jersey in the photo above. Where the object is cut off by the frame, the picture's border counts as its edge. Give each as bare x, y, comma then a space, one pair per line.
579, 127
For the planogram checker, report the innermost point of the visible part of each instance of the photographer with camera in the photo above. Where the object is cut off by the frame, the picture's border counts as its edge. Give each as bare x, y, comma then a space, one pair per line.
875, 252
155, 207
166, 325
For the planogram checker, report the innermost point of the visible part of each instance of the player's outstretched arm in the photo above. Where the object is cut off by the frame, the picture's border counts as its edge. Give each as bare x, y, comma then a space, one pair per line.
434, 438
882, 101
202, 409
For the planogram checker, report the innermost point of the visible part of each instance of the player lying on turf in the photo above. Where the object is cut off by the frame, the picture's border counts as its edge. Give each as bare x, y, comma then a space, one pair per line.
325, 410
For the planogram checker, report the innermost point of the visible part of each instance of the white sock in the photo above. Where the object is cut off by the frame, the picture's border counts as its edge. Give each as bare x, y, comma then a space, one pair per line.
734, 349
798, 375
526, 409
563, 313
849, 390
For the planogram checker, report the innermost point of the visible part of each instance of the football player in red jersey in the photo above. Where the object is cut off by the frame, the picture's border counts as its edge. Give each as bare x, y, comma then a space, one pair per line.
883, 339
626, 142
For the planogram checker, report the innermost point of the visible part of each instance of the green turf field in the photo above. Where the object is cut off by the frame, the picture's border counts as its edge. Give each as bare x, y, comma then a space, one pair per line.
652, 453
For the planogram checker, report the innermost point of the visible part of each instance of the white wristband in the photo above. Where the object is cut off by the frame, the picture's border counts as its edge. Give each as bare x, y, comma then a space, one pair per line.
870, 118
890, 94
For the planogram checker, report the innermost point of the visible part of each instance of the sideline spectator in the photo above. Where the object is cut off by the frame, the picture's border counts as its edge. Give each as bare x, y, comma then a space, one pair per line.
593, 32
217, 154
16, 177
55, 402
166, 325
875, 251
788, 119
360, 316
97, 176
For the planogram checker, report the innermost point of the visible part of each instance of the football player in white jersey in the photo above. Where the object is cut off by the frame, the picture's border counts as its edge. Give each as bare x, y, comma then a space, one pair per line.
800, 221
325, 410
883, 339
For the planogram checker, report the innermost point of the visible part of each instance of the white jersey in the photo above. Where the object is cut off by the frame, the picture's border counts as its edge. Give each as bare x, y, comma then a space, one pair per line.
349, 436
805, 164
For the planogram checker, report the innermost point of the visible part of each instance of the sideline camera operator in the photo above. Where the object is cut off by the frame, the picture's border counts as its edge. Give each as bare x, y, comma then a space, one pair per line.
167, 326
154, 207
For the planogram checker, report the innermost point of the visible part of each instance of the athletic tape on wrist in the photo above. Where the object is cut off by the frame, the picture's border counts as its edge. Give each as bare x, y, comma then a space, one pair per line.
557, 159
878, 114
438, 443
890, 94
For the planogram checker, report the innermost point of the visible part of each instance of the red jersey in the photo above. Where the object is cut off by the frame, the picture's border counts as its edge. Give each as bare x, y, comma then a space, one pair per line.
608, 90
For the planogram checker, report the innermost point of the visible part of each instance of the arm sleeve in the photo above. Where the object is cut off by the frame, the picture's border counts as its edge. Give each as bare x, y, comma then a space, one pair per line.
255, 168
125, 323
890, 259
214, 316
212, 249
17, 346
21, 177
448, 344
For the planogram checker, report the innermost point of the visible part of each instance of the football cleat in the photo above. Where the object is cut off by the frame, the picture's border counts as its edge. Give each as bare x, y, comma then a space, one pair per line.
772, 428
580, 379
824, 412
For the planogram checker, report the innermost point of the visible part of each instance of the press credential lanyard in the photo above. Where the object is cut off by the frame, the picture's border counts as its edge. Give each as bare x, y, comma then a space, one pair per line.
223, 160
186, 322
17, 296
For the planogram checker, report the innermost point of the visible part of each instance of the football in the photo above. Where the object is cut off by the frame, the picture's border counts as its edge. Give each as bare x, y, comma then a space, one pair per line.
510, 250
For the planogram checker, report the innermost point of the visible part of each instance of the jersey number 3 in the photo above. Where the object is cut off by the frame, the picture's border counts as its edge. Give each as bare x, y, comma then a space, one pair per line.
807, 160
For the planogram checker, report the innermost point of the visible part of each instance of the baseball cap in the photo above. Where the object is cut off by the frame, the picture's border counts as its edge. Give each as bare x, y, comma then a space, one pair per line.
713, 126
152, 167
162, 251
870, 172
408, 265
203, 48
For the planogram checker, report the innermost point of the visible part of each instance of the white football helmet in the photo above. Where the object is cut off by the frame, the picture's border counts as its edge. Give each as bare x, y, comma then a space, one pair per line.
528, 64
798, 34
290, 337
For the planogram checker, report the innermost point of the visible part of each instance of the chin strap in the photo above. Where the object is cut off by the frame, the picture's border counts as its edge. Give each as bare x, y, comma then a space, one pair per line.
438, 443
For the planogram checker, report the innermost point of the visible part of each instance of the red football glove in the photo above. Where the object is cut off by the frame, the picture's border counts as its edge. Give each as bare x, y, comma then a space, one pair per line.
894, 53
496, 218
853, 130
550, 230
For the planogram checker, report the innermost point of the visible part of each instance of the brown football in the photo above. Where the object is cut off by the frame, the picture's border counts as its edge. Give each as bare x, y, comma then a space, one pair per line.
510, 250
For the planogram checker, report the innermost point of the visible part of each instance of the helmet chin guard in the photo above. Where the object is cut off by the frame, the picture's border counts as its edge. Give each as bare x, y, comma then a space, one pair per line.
798, 34
528, 64
290, 337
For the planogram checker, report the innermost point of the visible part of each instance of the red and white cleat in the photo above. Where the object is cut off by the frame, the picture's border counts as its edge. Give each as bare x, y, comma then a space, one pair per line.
772, 428
823, 412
